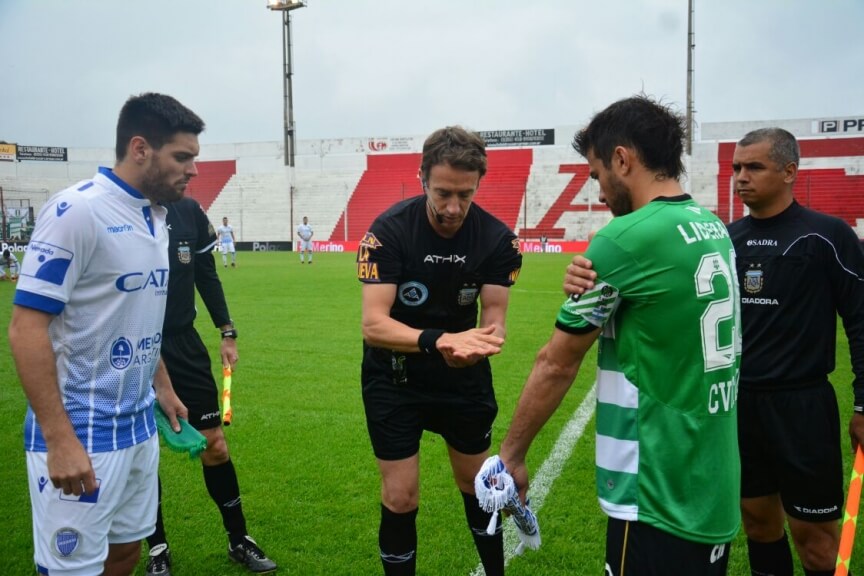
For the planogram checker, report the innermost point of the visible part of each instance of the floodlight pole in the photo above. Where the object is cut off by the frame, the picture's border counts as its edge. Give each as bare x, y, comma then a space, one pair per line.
691, 44
286, 6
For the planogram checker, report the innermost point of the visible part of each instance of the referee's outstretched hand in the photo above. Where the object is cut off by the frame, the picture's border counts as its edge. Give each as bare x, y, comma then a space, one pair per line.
461, 349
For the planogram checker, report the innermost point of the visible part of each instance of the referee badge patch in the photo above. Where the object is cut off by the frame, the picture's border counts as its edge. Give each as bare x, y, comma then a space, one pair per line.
184, 254
753, 279
467, 296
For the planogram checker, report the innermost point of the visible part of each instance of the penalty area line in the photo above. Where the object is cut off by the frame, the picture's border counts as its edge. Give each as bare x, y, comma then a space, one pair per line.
542, 482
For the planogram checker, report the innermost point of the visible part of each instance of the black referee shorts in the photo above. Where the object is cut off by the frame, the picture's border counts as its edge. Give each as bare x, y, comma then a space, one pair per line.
789, 441
637, 549
406, 394
191, 372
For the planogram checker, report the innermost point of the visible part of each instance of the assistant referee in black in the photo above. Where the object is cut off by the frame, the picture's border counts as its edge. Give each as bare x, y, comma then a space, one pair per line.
798, 269
190, 251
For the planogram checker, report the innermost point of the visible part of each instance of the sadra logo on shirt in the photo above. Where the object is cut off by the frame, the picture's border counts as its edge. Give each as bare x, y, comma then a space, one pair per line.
47, 262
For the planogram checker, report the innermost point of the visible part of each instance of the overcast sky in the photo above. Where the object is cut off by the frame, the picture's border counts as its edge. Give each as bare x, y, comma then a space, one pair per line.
406, 67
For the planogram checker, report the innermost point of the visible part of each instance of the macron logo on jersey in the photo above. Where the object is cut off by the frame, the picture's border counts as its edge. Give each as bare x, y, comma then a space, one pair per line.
53, 262
62, 208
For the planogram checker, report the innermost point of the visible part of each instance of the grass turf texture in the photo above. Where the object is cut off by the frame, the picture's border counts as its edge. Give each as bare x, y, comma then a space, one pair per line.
308, 478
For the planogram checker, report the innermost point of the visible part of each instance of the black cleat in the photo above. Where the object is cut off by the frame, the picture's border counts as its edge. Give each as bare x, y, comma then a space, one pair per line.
251, 556
159, 561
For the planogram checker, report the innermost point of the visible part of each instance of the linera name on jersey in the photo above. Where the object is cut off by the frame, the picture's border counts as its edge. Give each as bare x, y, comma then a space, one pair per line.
699, 231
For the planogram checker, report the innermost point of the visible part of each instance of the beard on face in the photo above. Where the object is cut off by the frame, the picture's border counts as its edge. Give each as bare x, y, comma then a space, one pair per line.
156, 187
618, 199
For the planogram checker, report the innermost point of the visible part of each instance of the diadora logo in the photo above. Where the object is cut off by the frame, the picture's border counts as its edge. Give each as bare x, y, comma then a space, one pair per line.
119, 229
135, 281
62, 208
436, 259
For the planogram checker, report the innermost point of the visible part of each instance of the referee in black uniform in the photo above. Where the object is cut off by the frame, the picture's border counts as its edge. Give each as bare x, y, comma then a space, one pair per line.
797, 269
425, 264
190, 250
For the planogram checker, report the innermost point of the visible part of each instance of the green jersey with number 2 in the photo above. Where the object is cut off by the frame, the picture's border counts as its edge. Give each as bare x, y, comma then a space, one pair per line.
666, 298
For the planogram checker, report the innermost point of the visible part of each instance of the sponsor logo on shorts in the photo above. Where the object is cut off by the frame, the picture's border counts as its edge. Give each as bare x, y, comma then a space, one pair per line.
66, 541
717, 552
805, 510
210, 416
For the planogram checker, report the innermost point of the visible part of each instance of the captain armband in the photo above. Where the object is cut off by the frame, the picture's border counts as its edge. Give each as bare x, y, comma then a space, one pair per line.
427, 341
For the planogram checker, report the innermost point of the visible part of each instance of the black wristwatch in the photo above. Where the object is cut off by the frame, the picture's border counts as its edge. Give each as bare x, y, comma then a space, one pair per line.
230, 333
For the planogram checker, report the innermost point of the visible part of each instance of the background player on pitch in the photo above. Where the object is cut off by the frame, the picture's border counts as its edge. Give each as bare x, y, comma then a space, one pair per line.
425, 263
9, 266
304, 231
85, 334
226, 239
192, 265
665, 311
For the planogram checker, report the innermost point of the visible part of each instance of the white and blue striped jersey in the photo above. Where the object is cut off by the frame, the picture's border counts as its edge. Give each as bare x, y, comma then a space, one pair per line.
98, 260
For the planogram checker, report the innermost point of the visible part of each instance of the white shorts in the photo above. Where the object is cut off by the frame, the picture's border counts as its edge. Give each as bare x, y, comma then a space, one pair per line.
228, 247
305, 245
71, 533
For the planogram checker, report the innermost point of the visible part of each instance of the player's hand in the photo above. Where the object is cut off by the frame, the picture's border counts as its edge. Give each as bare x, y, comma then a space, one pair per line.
519, 471
579, 277
462, 349
856, 431
172, 406
228, 352
70, 468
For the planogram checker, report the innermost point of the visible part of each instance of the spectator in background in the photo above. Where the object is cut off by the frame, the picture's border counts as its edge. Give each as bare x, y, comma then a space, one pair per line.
425, 264
304, 231
227, 240
85, 333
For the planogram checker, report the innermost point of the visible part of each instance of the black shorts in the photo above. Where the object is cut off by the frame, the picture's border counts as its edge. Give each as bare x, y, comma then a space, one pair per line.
191, 372
405, 394
637, 549
789, 441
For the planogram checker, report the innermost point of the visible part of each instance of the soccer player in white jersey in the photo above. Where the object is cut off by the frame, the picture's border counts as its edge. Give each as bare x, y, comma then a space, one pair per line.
9, 266
85, 333
226, 240
665, 309
304, 231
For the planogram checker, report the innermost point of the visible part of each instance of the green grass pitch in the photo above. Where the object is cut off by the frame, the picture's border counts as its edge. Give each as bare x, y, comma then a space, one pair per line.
307, 475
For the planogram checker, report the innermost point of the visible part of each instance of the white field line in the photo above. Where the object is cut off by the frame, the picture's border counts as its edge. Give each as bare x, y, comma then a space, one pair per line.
542, 482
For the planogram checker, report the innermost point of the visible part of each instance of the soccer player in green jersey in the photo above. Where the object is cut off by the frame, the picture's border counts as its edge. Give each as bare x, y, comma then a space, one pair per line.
666, 312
